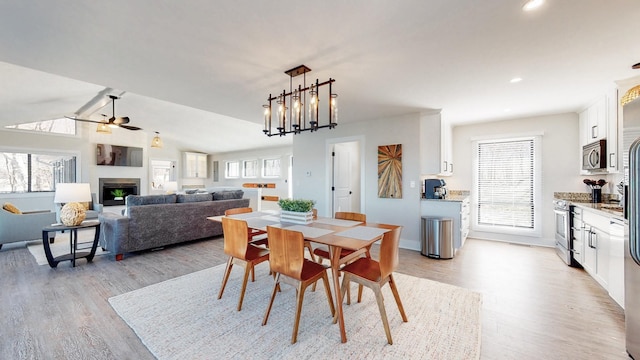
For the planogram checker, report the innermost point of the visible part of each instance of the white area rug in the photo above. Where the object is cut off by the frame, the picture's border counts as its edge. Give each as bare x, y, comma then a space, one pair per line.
62, 246
181, 318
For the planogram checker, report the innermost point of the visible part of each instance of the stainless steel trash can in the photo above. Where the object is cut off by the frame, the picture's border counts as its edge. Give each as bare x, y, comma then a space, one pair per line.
437, 237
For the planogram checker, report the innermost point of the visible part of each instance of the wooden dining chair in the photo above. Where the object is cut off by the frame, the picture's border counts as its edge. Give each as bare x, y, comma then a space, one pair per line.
253, 233
323, 253
240, 252
374, 274
290, 266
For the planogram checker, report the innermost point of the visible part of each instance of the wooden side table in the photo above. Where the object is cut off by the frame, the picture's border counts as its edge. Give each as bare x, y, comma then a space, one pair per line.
73, 243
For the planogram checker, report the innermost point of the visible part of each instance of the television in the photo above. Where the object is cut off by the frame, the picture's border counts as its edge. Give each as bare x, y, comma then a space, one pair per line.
116, 155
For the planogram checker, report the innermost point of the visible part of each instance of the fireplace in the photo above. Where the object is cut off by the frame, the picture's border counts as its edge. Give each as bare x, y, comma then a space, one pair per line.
112, 191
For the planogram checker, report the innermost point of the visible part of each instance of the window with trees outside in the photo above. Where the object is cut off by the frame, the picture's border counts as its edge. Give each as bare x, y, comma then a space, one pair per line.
250, 169
232, 170
271, 168
32, 172
507, 185
56, 126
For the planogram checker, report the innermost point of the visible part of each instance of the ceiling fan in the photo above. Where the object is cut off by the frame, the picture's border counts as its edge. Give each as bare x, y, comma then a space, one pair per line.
113, 121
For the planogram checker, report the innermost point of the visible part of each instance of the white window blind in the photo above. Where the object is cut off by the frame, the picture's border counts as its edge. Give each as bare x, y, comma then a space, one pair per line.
505, 175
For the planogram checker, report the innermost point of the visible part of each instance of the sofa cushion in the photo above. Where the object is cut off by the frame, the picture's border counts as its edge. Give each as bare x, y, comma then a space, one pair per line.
11, 208
185, 198
133, 200
228, 194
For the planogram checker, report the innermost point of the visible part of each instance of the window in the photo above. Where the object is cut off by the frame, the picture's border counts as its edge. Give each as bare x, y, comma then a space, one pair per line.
232, 170
250, 168
507, 185
58, 126
271, 168
25, 172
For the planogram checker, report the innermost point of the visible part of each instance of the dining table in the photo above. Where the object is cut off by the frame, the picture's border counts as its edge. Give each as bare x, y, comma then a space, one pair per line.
336, 234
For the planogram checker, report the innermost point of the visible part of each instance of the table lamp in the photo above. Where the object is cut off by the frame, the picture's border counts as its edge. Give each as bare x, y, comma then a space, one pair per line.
71, 195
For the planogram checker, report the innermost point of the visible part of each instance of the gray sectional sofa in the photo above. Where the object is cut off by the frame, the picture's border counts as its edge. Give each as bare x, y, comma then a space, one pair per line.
154, 221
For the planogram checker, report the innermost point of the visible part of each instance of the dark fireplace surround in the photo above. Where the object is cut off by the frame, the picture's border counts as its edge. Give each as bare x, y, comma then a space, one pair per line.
108, 185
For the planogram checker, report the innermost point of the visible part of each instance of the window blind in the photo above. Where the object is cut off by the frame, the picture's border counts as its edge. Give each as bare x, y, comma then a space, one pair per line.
506, 183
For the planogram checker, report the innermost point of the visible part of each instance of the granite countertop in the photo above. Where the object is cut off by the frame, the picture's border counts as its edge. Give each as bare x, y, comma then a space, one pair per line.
608, 208
453, 195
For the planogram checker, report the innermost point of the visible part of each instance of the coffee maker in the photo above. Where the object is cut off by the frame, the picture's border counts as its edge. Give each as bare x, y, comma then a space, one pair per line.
434, 189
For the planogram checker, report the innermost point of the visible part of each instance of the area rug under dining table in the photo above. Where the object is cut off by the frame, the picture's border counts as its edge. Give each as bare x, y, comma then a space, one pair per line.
181, 318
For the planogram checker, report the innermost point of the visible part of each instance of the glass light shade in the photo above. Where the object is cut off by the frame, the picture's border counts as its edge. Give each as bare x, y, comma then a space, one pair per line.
334, 108
103, 128
156, 142
297, 109
630, 95
281, 113
267, 117
313, 106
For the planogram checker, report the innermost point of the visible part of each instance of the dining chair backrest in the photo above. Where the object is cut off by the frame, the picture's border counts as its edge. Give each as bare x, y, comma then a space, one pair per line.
237, 211
344, 215
286, 251
236, 233
389, 249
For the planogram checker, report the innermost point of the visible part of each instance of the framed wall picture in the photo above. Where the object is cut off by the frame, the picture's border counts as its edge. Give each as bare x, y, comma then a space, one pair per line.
390, 171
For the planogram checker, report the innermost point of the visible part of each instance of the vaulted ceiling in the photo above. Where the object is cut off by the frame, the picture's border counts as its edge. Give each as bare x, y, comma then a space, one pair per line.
199, 71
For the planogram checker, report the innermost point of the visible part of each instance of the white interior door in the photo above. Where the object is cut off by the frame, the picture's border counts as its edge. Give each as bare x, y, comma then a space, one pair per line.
346, 177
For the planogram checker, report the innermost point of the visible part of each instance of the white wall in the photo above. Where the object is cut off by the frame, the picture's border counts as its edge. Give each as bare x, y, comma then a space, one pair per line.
560, 160
311, 155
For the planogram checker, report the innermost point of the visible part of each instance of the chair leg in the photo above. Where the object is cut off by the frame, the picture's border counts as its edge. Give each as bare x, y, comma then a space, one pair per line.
253, 275
383, 313
349, 295
227, 271
396, 295
276, 288
296, 323
325, 281
360, 293
247, 269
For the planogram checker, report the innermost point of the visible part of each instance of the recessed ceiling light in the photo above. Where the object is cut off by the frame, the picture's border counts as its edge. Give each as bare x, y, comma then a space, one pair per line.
515, 80
507, 110
532, 4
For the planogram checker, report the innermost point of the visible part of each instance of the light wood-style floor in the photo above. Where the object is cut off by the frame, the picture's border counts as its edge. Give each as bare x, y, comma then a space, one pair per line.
534, 306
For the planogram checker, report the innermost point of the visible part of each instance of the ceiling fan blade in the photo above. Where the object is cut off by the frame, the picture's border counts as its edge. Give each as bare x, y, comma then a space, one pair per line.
84, 120
121, 120
128, 127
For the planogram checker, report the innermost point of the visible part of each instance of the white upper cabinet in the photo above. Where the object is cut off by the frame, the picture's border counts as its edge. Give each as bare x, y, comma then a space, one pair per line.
436, 149
195, 165
600, 121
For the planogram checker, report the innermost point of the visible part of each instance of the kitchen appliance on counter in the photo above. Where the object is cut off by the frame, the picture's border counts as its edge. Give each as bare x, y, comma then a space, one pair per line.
434, 189
594, 156
631, 165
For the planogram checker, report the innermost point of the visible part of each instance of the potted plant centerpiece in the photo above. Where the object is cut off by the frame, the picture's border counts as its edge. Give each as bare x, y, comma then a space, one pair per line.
118, 194
297, 211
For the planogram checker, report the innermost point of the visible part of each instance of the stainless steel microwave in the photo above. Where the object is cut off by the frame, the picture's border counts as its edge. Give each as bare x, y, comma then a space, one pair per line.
594, 155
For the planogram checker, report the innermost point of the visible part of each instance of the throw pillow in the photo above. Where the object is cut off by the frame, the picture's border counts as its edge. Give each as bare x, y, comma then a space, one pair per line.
11, 208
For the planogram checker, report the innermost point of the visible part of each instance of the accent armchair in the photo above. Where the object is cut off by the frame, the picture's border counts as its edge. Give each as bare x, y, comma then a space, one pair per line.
25, 226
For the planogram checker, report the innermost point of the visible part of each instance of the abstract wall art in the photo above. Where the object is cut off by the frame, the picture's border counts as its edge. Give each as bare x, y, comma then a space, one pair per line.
390, 171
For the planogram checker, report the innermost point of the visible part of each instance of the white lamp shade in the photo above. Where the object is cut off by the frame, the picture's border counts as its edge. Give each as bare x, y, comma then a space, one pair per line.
72, 192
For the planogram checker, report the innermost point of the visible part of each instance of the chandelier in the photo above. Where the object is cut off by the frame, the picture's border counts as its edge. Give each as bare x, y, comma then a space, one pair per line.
291, 117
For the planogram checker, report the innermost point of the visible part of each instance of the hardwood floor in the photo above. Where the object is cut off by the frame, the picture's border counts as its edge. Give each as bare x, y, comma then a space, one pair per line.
534, 306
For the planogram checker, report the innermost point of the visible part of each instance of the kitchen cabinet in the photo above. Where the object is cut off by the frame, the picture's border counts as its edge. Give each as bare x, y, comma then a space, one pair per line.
600, 121
616, 260
596, 246
195, 165
457, 209
436, 148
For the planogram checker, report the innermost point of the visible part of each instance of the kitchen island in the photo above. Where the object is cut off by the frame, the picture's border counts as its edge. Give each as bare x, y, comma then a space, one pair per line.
454, 206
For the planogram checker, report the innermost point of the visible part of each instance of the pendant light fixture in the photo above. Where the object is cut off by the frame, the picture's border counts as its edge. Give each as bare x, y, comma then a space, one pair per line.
156, 142
292, 118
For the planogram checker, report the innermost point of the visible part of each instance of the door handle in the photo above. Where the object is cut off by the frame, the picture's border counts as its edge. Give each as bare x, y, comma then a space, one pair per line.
350, 192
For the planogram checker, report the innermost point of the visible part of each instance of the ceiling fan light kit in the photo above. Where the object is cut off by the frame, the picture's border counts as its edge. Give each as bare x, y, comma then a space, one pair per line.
103, 128
294, 119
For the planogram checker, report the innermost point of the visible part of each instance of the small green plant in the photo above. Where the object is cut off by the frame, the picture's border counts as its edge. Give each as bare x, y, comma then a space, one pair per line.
297, 205
118, 193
